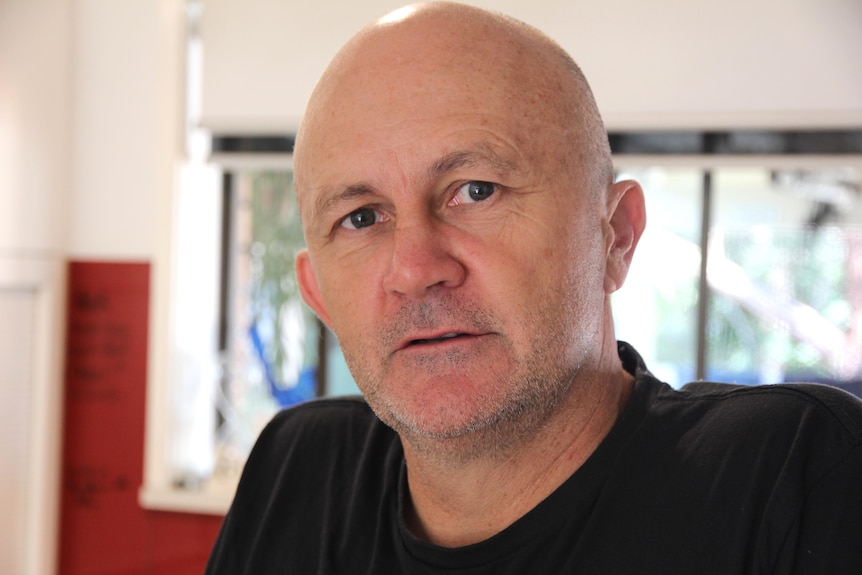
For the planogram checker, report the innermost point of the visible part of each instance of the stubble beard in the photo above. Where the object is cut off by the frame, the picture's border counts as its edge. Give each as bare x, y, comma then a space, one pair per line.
509, 415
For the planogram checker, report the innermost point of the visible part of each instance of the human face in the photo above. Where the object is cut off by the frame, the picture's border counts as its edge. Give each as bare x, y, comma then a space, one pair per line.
452, 248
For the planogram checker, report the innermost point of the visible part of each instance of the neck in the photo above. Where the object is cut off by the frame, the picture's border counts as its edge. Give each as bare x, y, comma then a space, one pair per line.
459, 499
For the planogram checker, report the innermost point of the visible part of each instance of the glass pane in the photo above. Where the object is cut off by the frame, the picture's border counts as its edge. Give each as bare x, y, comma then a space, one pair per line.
271, 361
785, 294
222, 399
656, 309
273, 351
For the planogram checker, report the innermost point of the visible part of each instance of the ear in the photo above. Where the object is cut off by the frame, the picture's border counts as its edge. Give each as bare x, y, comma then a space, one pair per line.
626, 222
308, 287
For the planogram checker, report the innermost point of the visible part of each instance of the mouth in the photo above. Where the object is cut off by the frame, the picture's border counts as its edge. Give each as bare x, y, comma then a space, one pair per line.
444, 337
430, 340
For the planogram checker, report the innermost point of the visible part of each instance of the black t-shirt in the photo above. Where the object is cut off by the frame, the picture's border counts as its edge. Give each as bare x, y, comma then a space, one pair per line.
713, 478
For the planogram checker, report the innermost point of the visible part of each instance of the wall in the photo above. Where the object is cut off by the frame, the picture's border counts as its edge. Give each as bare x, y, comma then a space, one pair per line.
90, 139
35, 69
35, 91
662, 63
126, 150
117, 131
103, 431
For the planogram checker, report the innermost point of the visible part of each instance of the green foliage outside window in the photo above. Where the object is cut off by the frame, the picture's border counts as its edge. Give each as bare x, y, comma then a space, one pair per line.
276, 238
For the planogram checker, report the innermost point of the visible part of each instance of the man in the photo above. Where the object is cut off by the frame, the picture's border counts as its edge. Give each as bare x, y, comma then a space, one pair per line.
464, 236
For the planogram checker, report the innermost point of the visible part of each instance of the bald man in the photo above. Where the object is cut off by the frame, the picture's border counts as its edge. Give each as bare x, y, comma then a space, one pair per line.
464, 237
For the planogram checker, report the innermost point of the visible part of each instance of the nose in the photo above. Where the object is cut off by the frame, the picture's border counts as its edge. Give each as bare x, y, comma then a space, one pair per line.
422, 258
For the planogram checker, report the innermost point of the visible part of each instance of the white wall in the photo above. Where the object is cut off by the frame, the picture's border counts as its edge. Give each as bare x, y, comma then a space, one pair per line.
34, 125
90, 125
656, 63
127, 126
35, 167
90, 139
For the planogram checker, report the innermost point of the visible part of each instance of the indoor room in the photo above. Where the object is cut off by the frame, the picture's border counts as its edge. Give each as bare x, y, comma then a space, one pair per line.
151, 321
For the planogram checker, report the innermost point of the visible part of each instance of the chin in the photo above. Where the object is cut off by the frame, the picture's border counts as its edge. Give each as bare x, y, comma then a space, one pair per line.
434, 417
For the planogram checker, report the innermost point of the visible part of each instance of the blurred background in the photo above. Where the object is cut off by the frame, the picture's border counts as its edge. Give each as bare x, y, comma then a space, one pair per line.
149, 320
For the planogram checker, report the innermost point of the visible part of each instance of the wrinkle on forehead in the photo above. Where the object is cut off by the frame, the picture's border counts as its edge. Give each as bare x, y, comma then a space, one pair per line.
481, 152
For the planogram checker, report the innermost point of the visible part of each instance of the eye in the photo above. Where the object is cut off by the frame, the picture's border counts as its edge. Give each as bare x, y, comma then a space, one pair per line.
361, 218
474, 191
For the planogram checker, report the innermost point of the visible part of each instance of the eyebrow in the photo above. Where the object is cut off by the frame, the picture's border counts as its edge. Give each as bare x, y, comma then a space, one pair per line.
326, 202
478, 154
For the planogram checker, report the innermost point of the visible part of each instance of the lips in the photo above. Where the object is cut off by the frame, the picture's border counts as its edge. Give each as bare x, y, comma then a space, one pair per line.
445, 336
415, 340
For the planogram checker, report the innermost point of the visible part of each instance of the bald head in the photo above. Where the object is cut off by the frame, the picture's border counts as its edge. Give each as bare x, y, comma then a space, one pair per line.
427, 59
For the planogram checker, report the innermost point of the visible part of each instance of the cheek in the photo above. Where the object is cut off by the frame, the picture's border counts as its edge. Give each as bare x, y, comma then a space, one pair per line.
564, 276
348, 290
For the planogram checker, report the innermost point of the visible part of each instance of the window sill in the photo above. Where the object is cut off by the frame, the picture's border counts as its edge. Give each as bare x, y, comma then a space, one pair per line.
207, 500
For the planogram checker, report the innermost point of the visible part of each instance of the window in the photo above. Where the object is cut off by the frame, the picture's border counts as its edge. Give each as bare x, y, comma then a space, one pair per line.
777, 298
269, 342
246, 344
750, 271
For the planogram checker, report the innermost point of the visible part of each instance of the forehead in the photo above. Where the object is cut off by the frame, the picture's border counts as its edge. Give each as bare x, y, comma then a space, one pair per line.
383, 95
423, 109
416, 141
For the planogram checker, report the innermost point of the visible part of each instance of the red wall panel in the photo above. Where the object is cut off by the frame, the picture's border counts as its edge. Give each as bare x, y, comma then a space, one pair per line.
103, 529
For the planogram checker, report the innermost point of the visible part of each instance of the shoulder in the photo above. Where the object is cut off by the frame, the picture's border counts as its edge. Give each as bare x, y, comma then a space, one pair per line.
784, 420
789, 433
314, 467
797, 406
773, 470
324, 415
340, 425
316, 443
731, 409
